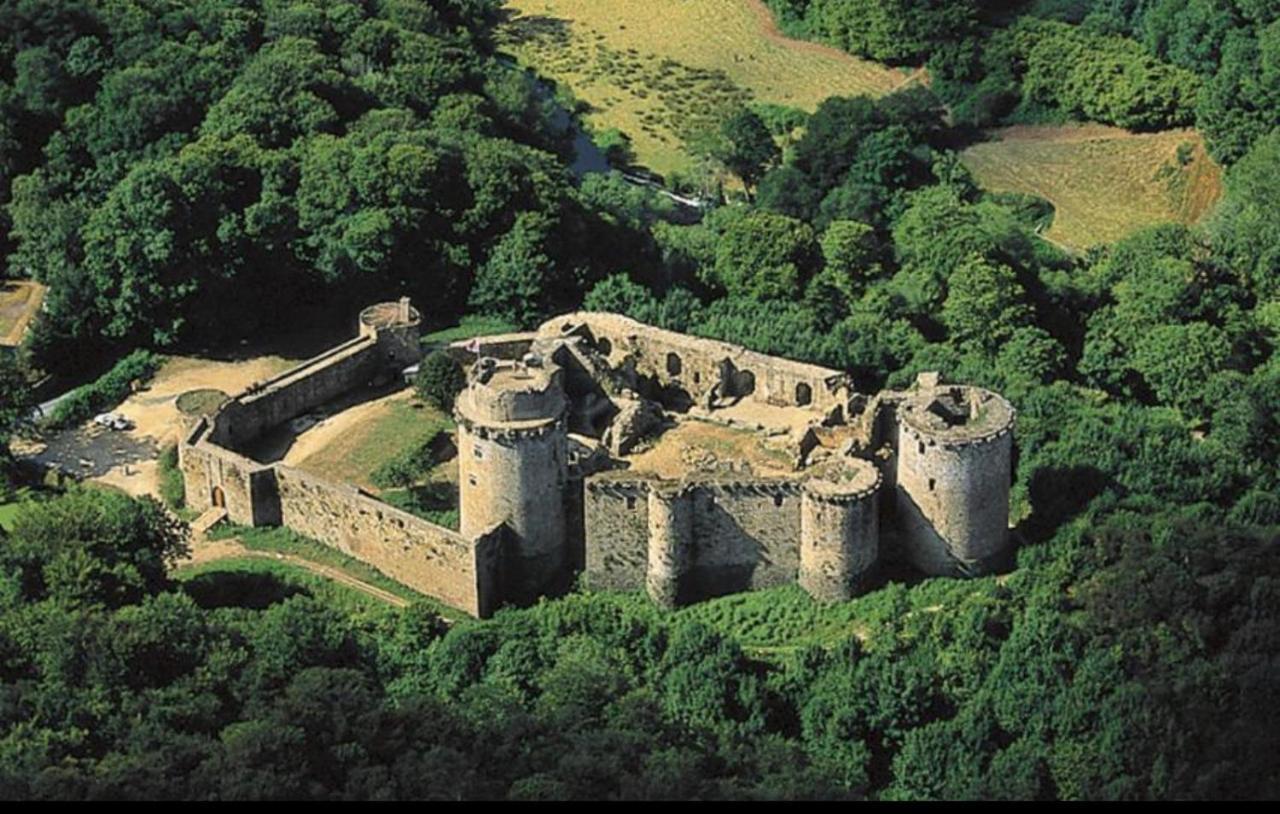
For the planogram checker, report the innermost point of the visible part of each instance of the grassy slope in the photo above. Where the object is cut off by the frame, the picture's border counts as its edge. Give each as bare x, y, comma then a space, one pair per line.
662, 71
334, 593
356, 455
1104, 183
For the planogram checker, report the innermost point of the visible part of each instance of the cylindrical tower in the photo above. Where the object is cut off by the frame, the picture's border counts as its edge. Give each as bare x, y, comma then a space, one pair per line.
670, 543
839, 532
512, 453
395, 325
954, 459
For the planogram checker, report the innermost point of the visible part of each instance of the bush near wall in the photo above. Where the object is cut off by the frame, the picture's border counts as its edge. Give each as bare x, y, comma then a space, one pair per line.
106, 392
172, 488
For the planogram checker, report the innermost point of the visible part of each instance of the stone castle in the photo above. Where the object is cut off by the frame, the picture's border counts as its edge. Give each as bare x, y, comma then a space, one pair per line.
637, 458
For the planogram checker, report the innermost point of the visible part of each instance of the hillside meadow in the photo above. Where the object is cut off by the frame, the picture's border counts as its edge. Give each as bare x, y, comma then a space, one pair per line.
1104, 183
665, 72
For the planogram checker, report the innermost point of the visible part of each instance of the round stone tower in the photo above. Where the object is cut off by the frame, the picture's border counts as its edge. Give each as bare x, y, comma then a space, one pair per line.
954, 457
670, 543
839, 531
512, 454
395, 325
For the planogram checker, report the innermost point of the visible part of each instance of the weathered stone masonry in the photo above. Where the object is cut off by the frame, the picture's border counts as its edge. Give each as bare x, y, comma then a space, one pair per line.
921, 474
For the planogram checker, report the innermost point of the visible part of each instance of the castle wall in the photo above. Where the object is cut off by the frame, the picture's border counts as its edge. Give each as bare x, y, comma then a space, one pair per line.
616, 530
497, 346
245, 487
746, 536
428, 558
695, 365
296, 391
518, 478
953, 502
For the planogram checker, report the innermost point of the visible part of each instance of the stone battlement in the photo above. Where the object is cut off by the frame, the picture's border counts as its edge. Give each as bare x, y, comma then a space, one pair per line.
684, 466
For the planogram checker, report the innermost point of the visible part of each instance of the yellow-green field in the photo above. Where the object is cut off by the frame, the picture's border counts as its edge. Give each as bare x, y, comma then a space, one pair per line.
1104, 183
19, 303
664, 71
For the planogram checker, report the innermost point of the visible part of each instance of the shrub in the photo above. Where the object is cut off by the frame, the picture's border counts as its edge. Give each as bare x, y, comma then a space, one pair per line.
408, 467
172, 486
439, 381
106, 392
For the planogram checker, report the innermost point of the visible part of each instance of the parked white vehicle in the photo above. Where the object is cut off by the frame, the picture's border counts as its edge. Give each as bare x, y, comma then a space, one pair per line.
113, 421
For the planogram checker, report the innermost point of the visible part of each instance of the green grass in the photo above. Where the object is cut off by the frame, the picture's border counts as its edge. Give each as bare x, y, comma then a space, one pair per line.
1104, 183
470, 326
778, 619
8, 511
666, 72
357, 454
280, 540
231, 582
436, 502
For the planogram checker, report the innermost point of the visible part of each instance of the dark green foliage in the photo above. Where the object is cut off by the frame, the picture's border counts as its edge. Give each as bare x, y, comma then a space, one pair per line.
747, 148
181, 176
15, 403
1130, 655
107, 391
172, 488
439, 381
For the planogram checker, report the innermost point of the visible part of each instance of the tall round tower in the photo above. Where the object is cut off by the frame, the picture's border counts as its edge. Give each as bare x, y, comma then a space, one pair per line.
670, 543
512, 453
839, 531
954, 463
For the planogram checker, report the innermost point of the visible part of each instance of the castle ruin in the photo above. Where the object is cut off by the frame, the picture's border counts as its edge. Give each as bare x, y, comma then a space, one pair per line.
638, 458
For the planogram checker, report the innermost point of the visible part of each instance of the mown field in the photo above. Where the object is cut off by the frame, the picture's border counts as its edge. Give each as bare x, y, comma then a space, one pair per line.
666, 71
1105, 183
19, 302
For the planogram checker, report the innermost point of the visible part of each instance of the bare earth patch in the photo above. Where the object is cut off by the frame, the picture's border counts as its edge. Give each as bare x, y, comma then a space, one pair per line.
127, 460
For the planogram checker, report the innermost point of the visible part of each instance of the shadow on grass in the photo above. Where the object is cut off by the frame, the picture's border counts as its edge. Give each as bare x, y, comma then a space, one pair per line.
237, 589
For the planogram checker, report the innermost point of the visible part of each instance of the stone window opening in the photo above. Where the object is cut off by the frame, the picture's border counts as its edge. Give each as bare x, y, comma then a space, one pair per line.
631, 502
922, 447
674, 365
777, 500
804, 395
471, 479
605, 346
932, 483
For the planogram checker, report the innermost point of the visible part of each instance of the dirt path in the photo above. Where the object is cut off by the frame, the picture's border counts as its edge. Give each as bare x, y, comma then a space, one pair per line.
127, 460
205, 551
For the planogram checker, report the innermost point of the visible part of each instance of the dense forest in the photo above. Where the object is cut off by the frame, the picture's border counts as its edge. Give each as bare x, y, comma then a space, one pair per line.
169, 164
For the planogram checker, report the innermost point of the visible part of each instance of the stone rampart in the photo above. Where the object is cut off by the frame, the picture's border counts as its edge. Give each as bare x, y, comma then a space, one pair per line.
296, 391
428, 558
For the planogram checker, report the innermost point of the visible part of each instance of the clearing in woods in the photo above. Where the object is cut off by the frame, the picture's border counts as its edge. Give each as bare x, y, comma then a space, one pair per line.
19, 303
665, 72
1104, 183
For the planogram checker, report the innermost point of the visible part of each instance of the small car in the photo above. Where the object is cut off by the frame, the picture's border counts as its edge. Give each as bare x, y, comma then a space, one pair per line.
113, 421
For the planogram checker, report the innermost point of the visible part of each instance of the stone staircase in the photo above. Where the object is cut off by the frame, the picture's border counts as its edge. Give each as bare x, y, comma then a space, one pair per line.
208, 520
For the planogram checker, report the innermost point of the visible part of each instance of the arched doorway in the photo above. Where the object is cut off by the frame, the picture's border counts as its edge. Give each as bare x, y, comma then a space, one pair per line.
219, 498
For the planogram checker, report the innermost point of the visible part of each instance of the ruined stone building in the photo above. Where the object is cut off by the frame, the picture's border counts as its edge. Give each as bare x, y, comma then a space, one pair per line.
638, 458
